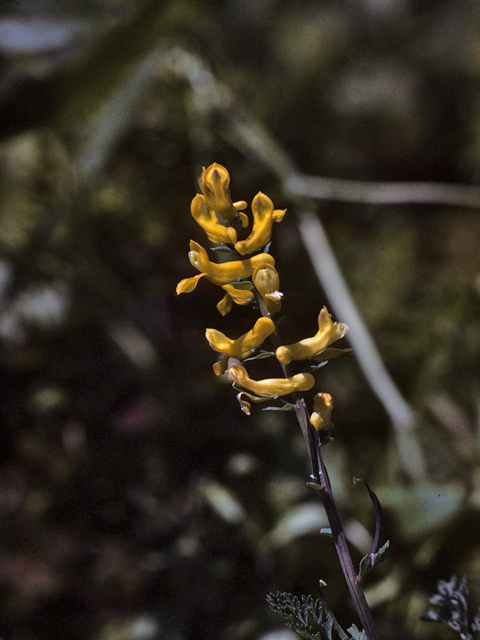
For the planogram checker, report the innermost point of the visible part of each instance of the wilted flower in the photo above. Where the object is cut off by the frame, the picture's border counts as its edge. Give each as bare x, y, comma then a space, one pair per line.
271, 387
328, 332
322, 410
263, 218
207, 218
266, 280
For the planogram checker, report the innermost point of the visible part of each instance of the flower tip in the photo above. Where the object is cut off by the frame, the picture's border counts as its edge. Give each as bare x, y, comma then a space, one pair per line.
283, 355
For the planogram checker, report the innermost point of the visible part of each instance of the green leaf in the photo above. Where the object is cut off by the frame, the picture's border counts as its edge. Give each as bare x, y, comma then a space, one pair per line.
243, 284
260, 356
356, 634
286, 407
314, 367
372, 560
317, 487
222, 248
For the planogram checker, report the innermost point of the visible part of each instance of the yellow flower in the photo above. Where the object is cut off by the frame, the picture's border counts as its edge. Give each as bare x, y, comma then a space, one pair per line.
328, 332
322, 410
221, 274
215, 185
263, 218
245, 345
206, 217
239, 296
271, 387
241, 348
266, 280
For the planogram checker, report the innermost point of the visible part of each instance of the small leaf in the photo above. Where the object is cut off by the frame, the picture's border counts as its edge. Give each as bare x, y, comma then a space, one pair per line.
242, 285
356, 634
286, 407
316, 486
222, 248
314, 367
372, 560
260, 356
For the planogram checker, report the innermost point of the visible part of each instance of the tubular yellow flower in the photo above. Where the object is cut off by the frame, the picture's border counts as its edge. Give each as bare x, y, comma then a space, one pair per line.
322, 410
215, 186
207, 218
328, 332
225, 272
246, 344
266, 280
271, 387
263, 218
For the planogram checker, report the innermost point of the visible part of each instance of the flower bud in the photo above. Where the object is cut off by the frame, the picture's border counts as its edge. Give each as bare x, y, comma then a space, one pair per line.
215, 185
266, 280
322, 410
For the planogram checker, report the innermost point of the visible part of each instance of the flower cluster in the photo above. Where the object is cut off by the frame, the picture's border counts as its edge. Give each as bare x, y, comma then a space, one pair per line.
248, 276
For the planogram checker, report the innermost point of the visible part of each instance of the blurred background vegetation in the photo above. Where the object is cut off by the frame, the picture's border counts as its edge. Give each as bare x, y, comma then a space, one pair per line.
137, 502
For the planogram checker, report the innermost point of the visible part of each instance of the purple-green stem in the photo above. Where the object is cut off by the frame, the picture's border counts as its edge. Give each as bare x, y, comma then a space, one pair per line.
320, 477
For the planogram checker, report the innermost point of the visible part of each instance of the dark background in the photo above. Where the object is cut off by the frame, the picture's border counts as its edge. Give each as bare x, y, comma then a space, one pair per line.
136, 500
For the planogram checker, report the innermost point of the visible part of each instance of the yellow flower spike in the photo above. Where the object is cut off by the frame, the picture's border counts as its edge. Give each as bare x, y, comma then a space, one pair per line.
271, 387
266, 280
207, 218
322, 411
225, 272
263, 219
215, 186
328, 332
246, 344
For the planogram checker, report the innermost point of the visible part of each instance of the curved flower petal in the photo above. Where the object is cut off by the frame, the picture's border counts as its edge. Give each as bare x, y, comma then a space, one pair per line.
246, 344
322, 411
239, 296
244, 404
225, 272
225, 305
206, 217
266, 280
189, 284
328, 332
271, 387
220, 366
215, 185
263, 219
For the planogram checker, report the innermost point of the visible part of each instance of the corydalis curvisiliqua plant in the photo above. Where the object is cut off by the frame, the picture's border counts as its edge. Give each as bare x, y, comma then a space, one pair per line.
248, 276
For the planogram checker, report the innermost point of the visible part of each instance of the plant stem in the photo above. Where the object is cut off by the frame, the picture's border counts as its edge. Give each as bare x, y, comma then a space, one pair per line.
320, 475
